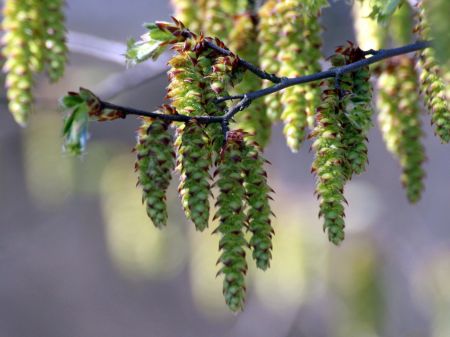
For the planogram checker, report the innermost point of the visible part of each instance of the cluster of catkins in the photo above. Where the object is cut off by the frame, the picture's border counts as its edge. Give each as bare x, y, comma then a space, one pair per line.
283, 37
343, 120
34, 41
197, 75
400, 82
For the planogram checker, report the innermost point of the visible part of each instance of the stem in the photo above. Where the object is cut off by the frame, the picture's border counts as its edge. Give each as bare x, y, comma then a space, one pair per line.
281, 83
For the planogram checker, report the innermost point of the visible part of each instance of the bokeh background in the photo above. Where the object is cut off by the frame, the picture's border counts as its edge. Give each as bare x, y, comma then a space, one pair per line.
79, 258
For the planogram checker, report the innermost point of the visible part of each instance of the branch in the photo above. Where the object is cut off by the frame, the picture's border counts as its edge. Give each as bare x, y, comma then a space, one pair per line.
247, 65
334, 72
246, 99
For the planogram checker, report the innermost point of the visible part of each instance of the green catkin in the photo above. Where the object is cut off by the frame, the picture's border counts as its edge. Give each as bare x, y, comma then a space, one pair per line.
187, 90
154, 164
259, 213
267, 39
313, 35
217, 22
188, 11
399, 118
193, 163
19, 58
254, 119
402, 25
369, 33
231, 207
436, 12
357, 104
433, 87
296, 54
225, 73
36, 17
330, 164
55, 38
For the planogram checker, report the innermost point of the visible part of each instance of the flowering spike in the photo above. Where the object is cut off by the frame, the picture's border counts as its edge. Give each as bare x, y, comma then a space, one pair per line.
254, 119
267, 38
155, 162
330, 164
194, 161
400, 122
432, 84
298, 56
231, 204
259, 213
55, 38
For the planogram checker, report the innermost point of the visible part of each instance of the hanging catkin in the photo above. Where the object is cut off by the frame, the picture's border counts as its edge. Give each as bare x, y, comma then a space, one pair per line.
298, 55
252, 120
267, 38
154, 164
231, 207
186, 90
257, 193
188, 12
400, 122
55, 38
432, 83
20, 59
330, 164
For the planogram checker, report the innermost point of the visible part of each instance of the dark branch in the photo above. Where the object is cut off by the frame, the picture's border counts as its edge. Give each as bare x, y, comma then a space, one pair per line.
282, 83
247, 65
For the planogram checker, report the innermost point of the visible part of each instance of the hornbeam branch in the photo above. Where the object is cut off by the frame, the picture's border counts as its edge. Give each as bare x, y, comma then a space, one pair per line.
281, 83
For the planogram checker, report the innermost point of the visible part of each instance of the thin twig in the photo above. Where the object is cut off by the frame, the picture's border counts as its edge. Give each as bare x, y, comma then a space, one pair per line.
247, 99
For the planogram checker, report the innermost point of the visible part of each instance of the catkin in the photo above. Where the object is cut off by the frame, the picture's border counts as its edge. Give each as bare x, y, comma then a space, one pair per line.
55, 38
186, 90
154, 164
330, 163
399, 118
257, 193
217, 22
254, 119
231, 207
357, 104
193, 163
188, 12
20, 59
433, 87
298, 55
267, 39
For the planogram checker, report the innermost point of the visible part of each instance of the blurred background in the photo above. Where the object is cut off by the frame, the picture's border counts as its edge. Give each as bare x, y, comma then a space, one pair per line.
80, 258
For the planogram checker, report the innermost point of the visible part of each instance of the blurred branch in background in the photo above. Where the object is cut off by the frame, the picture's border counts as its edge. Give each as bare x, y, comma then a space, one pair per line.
112, 51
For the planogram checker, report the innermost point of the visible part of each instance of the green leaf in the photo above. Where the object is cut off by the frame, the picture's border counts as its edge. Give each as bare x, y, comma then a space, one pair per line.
75, 129
70, 100
151, 45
